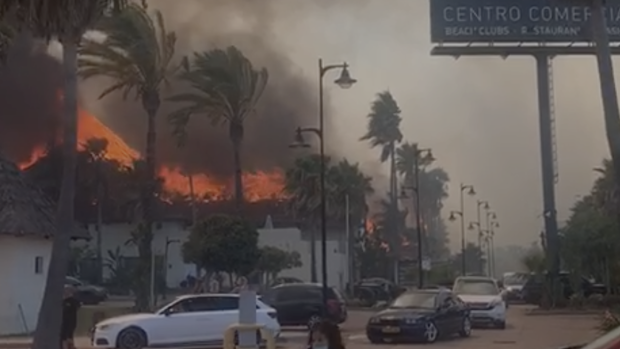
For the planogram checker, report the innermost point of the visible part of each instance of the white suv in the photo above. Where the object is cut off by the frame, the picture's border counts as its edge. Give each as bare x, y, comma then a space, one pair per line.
484, 298
194, 320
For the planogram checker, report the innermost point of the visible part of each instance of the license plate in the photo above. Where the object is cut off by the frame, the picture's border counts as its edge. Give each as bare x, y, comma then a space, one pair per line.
391, 330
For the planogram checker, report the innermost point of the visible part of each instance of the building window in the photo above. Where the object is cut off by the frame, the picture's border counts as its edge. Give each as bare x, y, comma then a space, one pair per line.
38, 265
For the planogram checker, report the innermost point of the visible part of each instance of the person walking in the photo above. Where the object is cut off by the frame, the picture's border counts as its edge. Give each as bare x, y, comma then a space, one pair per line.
70, 307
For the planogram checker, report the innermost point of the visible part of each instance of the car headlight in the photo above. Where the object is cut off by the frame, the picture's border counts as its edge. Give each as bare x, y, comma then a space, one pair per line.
374, 320
496, 303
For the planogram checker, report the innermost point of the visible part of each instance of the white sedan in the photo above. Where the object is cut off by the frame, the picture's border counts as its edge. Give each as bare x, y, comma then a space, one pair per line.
193, 320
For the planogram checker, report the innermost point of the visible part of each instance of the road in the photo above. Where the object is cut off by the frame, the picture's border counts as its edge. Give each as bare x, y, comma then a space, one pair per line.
523, 332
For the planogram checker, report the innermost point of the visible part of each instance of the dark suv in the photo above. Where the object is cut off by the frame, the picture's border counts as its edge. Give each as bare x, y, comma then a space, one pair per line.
533, 289
302, 304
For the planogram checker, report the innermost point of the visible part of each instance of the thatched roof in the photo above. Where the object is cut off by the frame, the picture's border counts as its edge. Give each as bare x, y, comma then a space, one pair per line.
24, 208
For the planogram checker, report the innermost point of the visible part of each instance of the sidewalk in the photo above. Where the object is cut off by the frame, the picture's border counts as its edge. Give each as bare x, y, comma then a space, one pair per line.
26, 342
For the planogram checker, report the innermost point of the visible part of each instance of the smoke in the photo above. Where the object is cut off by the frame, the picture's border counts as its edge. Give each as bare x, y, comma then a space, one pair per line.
289, 100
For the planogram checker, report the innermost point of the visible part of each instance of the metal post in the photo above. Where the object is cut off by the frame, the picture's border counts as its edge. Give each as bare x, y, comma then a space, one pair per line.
347, 238
322, 179
418, 220
487, 230
463, 259
152, 289
480, 237
546, 150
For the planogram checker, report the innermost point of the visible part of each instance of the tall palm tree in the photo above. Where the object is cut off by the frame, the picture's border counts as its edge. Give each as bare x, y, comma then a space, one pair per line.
65, 21
226, 89
302, 184
383, 131
136, 55
96, 149
611, 111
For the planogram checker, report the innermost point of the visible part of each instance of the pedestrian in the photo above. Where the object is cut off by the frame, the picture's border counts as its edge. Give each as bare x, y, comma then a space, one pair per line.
325, 335
70, 307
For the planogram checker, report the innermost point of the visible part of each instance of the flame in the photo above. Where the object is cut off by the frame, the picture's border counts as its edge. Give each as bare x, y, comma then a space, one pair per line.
257, 186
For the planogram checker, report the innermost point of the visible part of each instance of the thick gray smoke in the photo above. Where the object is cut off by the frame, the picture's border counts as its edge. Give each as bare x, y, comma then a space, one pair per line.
289, 100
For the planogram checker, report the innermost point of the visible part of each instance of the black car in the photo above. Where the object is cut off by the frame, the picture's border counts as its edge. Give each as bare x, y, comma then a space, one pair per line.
425, 315
85, 293
302, 304
533, 288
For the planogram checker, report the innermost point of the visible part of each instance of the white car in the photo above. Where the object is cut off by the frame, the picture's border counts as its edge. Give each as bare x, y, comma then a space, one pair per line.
194, 320
484, 298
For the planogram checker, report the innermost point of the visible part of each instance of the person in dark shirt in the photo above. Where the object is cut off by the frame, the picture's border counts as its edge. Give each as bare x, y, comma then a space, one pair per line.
70, 307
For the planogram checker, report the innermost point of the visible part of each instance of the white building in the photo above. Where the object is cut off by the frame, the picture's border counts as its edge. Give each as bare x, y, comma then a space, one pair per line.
169, 235
26, 226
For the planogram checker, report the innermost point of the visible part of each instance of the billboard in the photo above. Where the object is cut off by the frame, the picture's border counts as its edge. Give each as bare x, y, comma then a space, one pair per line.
460, 21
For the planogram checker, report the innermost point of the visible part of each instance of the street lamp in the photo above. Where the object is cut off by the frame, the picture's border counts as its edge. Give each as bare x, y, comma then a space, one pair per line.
344, 81
492, 248
428, 155
470, 191
490, 216
480, 204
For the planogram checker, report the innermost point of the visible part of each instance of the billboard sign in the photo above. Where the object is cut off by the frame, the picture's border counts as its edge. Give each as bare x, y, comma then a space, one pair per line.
460, 21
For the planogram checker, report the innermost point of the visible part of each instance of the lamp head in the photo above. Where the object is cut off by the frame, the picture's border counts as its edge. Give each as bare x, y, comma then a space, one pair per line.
299, 141
429, 156
493, 215
452, 218
471, 191
471, 226
345, 81
496, 224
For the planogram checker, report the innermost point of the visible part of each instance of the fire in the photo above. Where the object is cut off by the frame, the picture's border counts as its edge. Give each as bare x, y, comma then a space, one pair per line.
257, 186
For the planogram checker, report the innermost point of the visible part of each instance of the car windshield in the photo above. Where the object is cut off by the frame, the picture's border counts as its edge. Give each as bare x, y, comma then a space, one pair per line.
414, 300
516, 279
475, 287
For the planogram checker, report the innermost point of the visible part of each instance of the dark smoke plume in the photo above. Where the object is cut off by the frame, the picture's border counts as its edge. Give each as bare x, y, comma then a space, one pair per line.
28, 97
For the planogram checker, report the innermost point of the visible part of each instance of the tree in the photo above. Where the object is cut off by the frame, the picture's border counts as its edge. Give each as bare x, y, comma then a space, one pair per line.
222, 243
96, 150
473, 258
383, 131
372, 255
136, 55
226, 89
274, 260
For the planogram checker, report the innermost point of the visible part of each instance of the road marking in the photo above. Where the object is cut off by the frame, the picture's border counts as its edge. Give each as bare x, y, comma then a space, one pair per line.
357, 337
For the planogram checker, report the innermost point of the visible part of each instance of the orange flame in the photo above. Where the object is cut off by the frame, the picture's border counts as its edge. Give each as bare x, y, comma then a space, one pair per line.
258, 186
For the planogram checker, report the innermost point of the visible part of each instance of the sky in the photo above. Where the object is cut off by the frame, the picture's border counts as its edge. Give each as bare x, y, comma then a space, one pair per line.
479, 115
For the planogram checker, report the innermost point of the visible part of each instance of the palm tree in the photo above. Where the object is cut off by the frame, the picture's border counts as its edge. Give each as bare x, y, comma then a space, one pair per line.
600, 36
303, 185
96, 149
384, 131
136, 55
226, 89
65, 21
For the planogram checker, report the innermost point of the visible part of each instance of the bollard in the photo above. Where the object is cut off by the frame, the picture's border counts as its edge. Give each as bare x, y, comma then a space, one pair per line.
229, 335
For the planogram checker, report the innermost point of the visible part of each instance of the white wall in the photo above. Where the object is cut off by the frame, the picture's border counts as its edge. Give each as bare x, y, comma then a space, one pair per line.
21, 286
288, 239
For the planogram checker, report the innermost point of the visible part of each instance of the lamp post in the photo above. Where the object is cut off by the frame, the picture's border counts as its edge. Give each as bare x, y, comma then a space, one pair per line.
470, 190
344, 81
492, 247
490, 215
168, 243
480, 204
427, 154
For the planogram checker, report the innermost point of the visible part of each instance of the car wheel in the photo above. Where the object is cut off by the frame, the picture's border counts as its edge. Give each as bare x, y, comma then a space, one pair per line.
132, 338
501, 325
465, 327
430, 332
313, 320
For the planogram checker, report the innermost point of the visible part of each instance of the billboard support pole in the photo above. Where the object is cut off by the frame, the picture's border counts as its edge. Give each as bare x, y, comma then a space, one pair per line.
547, 164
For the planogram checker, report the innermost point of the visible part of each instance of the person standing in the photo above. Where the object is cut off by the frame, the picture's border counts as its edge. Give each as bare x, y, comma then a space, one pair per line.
70, 307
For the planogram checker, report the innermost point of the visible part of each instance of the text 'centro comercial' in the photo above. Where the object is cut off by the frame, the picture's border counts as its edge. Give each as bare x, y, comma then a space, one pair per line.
482, 14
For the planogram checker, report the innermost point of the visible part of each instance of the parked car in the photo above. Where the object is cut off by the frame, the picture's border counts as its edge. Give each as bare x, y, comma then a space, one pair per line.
302, 304
373, 290
533, 288
484, 298
194, 320
513, 283
86, 293
425, 314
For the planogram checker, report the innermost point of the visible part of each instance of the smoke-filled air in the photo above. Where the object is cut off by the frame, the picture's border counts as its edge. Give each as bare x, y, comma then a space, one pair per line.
478, 114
